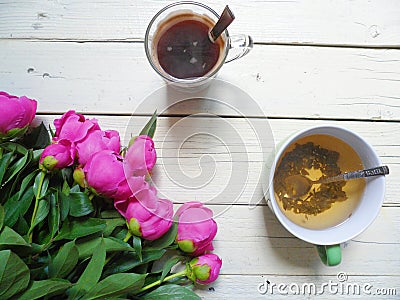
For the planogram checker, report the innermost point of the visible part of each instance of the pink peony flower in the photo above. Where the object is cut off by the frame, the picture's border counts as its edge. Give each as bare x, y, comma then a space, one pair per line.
104, 172
74, 127
204, 269
130, 186
140, 157
147, 215
16, 114
96, 141
58, 155
196, 228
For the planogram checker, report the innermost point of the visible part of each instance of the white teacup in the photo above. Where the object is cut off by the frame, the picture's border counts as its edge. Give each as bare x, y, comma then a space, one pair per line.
328, 240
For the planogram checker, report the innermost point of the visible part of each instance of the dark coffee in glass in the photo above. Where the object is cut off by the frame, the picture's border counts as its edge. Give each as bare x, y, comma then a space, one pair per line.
177, 46
183, 49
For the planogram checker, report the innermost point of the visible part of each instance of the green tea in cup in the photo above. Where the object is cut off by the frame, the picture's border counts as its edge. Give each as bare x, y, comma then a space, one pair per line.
324, 205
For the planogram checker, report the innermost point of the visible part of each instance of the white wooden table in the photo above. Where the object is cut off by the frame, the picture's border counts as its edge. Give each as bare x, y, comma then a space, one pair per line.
314, 62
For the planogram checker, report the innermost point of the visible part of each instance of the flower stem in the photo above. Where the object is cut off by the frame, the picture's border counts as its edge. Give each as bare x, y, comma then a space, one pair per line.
42, 177
158, 282
127, 237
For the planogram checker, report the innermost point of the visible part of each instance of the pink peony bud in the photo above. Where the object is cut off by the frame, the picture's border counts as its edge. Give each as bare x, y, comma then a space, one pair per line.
140, 157
15, 114
204, 269
196, 228
96, 141
57, 156
104, 172
147, 215
74, 127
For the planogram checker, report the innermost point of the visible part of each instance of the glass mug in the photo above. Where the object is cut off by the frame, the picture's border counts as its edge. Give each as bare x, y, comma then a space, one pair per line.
163, 38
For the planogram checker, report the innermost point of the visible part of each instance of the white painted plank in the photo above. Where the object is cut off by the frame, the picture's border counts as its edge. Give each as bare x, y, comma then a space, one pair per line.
206, 157
284, 81
251, 241
301, 287
306, 22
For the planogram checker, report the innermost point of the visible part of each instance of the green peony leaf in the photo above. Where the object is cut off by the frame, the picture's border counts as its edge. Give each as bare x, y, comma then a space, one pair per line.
168, 266
110, 214
86, 248
64, 201
112, 224
65, 188
150, 128
43, 236
11, 209
14, 207
45, 288
92, 273
14, 147
128, 261
26, 182
137, 245
25, 201
79, 204
38, 184
120, 233
9, 238
65, 261
75, 189
4, 162
21, 227
14, 274
116, 285
78, 228
36, 155
2, 216
166, 240
54, 215
38, 138
15, 168
42, 212
171, 292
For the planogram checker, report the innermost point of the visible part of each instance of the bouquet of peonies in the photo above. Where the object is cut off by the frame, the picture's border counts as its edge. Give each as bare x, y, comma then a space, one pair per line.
79, 219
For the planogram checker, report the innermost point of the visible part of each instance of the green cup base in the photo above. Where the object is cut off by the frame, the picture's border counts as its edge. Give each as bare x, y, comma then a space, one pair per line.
331, 255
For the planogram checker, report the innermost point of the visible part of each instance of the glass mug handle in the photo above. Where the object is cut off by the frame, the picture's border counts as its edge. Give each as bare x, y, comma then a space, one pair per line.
239, 45
330, 255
